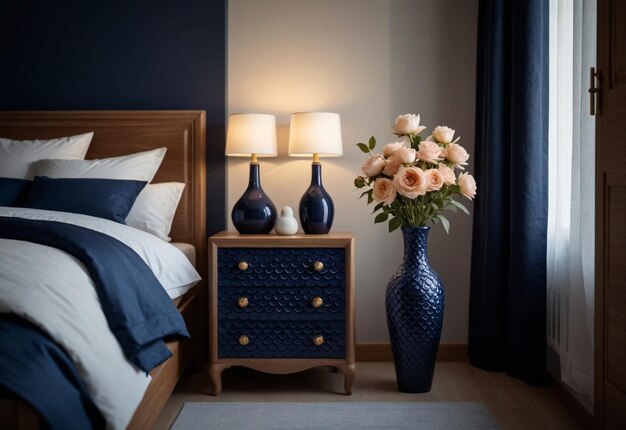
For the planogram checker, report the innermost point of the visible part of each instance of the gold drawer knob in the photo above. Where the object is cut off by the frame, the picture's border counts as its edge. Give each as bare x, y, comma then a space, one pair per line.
243, 266
318, 340
318, 266
244, 340
317, 302
243, 302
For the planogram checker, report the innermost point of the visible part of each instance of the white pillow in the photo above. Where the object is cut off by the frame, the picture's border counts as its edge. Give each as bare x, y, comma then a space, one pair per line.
141, 166
154, 209
17, 156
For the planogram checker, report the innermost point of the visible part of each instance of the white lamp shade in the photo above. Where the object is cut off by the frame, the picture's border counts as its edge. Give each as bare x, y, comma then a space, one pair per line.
251, 133
315, 133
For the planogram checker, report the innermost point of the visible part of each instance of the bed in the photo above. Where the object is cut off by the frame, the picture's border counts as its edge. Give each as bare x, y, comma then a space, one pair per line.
118, 133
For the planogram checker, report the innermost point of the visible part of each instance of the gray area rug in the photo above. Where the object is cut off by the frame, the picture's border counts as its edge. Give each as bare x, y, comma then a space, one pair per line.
334, 416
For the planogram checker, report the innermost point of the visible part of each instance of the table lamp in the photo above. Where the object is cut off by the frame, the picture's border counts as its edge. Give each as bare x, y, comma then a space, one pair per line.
316, 134
252, 135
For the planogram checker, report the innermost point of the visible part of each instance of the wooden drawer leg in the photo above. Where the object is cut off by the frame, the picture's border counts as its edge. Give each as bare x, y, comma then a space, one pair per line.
349, 371
215, 376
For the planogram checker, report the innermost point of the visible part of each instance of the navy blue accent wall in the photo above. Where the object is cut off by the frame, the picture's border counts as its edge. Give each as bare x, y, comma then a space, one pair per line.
121, 54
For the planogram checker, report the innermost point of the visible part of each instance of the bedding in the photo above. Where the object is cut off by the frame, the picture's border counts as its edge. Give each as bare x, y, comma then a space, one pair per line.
13, 191
141, 166
17, 156
63, 389
104, 198
59, 297
154, 209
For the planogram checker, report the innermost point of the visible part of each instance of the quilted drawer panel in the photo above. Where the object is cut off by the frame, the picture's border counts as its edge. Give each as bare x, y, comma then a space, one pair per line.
282, 303
281, 339
281, 267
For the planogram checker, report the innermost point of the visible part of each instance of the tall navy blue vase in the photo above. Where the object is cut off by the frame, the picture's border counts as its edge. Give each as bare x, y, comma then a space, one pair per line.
414, 303
254, 212
316, 207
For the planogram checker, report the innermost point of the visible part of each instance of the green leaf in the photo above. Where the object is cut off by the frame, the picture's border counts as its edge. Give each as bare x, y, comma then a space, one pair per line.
370, 199
378, 207
363, 193
382, 217
460, 206
394, 223
363, 147
359, 182
445, 222
372, 143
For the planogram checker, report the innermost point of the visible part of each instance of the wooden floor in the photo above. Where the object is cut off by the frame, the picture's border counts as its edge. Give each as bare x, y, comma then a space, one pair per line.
513, 404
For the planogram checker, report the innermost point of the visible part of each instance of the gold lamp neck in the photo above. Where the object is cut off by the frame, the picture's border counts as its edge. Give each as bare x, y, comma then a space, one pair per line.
253, 158
316, 158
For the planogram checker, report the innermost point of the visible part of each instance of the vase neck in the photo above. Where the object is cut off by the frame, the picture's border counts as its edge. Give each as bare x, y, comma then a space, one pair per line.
316, 174
255, 180
415, 245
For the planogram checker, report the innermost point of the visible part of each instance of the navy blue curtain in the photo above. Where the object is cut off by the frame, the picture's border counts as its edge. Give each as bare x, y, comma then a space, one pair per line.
507, 328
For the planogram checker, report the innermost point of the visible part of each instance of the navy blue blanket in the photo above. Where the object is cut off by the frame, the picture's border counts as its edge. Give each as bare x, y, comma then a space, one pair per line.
138, 310
36, 369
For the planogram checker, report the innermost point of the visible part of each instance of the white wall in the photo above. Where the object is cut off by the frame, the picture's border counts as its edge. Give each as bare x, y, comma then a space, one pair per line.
368, 60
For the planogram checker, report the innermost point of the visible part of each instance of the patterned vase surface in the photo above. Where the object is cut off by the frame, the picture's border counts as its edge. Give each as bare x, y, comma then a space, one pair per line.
414, 303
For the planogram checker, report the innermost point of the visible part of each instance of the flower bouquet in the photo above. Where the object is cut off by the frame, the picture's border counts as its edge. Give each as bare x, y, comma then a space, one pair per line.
413, 182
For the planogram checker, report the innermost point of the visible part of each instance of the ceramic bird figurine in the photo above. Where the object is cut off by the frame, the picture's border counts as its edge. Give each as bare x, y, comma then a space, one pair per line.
286, 224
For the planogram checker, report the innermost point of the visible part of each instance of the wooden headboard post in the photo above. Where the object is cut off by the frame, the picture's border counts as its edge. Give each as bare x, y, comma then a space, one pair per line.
125, 132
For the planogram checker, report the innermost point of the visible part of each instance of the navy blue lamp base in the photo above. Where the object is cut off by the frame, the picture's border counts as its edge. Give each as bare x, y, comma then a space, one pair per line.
254, 212
316, 207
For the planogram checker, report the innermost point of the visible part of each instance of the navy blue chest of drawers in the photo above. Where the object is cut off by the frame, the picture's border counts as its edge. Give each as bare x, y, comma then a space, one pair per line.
281, 304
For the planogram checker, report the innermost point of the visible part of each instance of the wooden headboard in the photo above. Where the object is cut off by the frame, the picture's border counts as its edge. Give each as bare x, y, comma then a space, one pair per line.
125, 132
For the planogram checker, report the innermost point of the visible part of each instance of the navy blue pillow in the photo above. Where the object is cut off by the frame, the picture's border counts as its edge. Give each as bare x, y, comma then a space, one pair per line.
103, 198
13, 191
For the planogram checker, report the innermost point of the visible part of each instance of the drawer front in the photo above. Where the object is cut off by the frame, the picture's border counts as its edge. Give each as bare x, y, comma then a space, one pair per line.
281, 267
271, 303
281, 339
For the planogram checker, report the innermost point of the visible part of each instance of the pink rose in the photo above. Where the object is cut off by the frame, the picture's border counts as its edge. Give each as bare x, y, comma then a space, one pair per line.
429, 152
411, 182
384, 192
467, 184
407, 125
456, 154
448, 175
393, 165
406, 155
444, 134
374, 165
391, 148
435, 179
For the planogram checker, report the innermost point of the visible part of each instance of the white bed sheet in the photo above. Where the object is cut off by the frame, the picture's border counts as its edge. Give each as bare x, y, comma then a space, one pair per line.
53, 290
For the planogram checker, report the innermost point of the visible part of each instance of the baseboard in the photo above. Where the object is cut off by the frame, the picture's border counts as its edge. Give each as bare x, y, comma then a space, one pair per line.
381, 352
577, 409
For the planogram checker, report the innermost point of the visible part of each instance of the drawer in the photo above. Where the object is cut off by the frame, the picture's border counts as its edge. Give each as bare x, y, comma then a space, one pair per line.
281, 339
272, 303
281, 267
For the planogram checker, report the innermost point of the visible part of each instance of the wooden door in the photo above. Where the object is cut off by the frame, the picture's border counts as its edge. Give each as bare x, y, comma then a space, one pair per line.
610, 401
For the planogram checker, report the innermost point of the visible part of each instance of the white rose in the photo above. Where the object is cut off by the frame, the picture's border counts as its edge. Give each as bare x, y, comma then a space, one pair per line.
467, 184
448, 175
456, 154
405, 155
443, 134
430, 152
408, 125
391, 148
374, 165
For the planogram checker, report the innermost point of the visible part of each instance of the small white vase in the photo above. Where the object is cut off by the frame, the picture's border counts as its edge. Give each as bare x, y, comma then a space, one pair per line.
286, 224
